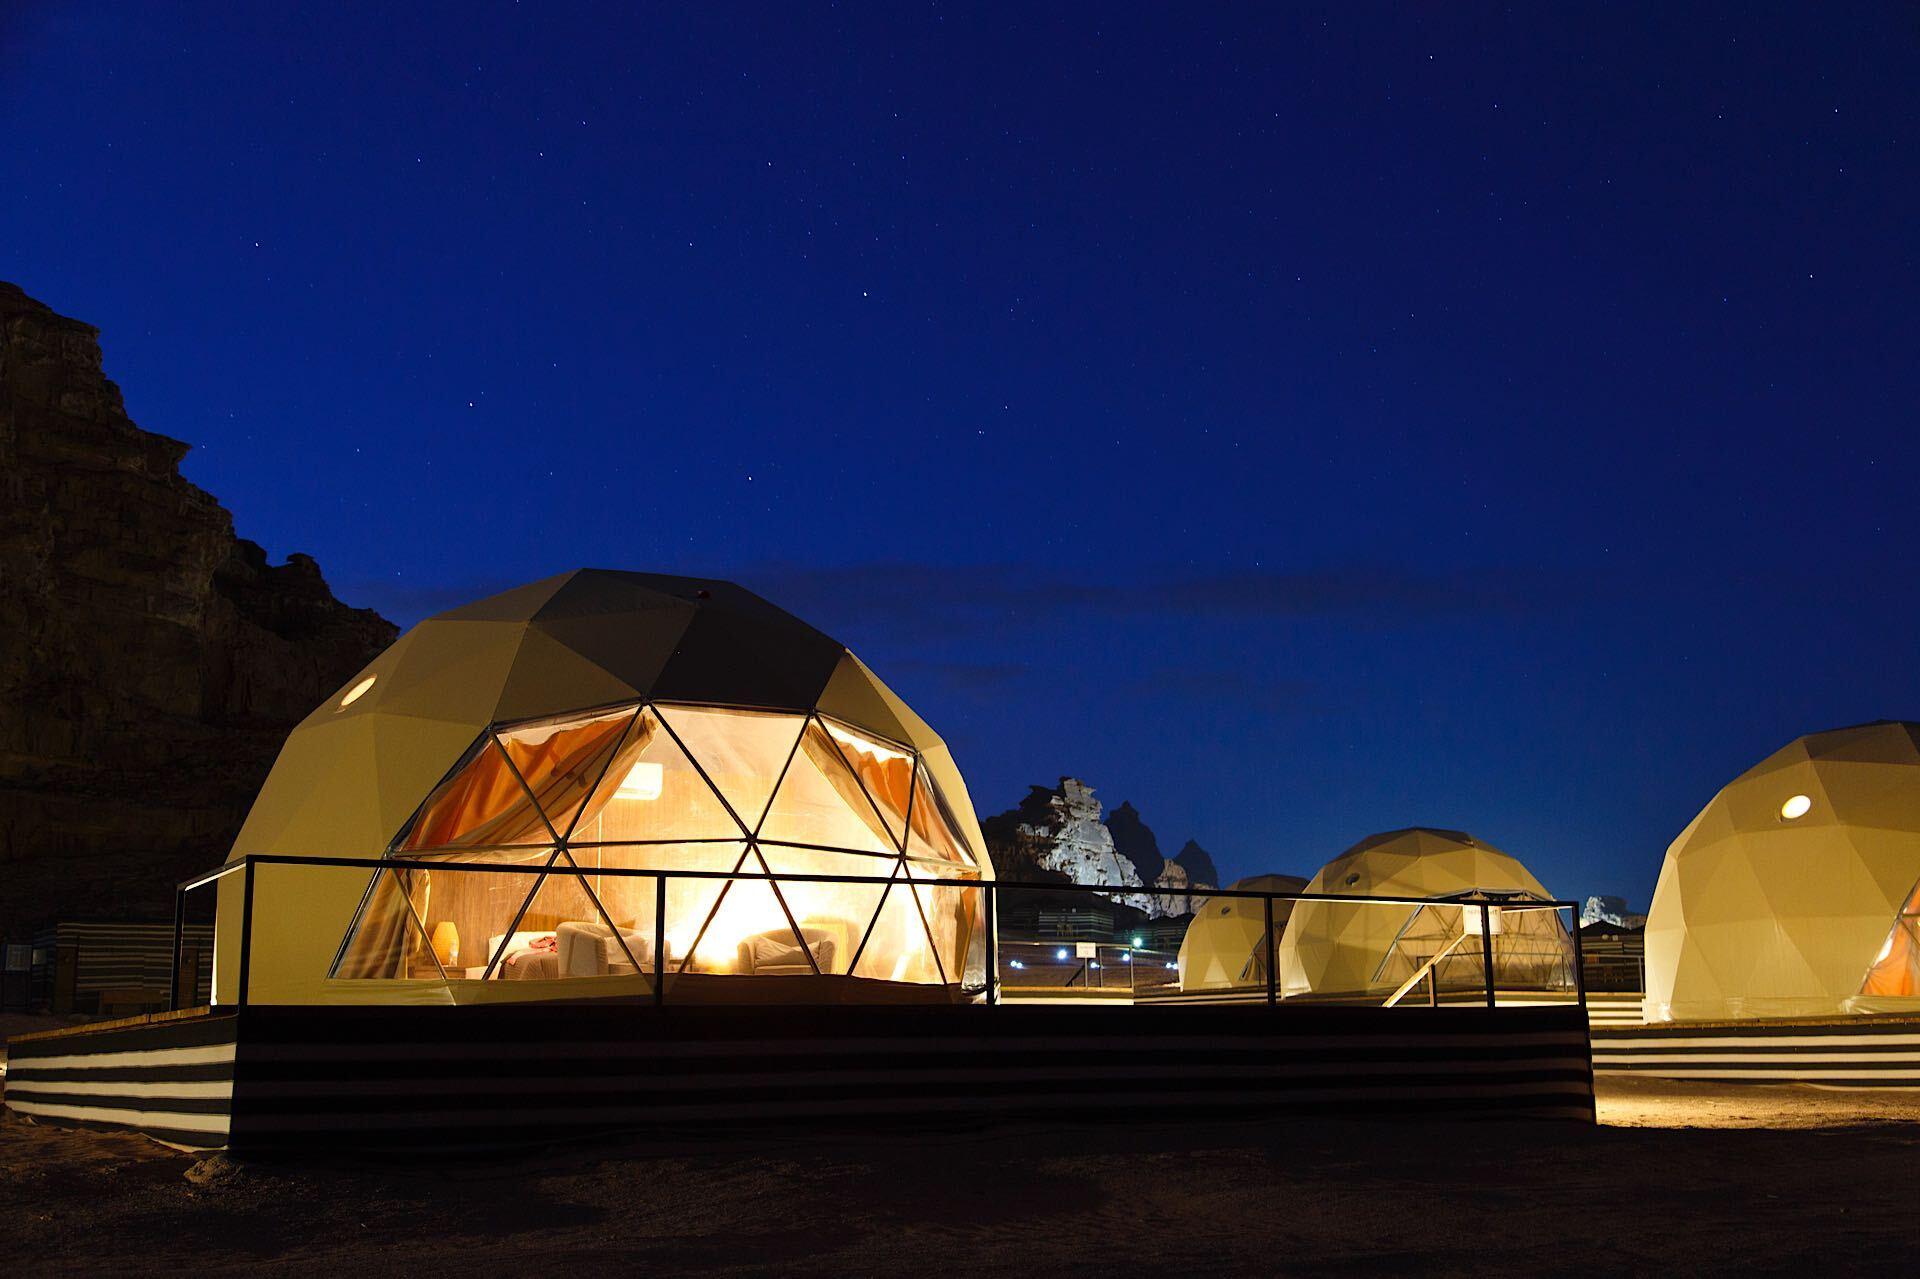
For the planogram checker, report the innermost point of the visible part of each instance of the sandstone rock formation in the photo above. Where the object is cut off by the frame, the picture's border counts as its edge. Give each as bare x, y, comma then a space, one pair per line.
1056, 834
150, 660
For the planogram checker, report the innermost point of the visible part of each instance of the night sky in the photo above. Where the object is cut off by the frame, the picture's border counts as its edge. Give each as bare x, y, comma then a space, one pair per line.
1301, 423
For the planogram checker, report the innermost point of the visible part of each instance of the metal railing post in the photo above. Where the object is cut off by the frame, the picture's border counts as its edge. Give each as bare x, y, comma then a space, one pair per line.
1273, 985
246, 929
1579, 963
1486, 948
659, 941
993, 948
179, 932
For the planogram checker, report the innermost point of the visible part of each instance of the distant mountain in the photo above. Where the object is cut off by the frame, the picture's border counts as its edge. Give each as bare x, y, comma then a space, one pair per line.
151, 662
1133, 839
1198, 863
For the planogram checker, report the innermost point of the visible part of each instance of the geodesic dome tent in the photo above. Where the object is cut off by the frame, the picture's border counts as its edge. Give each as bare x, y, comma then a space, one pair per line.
1375, 949
604, 722
1225, 944
1777, 899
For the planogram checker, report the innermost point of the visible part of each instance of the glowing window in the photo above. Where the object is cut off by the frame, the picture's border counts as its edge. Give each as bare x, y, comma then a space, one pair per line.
1795, 808
357, 692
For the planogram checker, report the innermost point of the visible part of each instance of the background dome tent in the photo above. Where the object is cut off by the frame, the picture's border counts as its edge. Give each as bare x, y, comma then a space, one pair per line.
1779, 897
1369, 949
604, 720
1224, 946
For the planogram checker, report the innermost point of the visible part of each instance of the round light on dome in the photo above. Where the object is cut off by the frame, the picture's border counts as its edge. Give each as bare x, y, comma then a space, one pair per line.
357, 692
1795, 808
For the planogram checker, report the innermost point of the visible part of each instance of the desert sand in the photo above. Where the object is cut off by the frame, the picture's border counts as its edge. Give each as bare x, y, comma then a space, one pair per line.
1677, 1177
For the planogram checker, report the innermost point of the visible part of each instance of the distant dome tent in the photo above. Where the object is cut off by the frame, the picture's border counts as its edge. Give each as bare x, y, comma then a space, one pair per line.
606, 721
1791, 893
1225, 944
1379, 949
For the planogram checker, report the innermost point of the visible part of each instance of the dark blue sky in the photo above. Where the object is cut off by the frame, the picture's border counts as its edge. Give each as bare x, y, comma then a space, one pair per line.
1301, 423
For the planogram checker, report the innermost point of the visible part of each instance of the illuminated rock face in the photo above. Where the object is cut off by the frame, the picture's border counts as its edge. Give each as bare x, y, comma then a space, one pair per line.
150, 661
1058, 833
1074, 842
1777, 898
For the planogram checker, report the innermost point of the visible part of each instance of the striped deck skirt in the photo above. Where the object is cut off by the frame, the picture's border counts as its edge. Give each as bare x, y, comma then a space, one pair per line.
1847, 1052
264, 1078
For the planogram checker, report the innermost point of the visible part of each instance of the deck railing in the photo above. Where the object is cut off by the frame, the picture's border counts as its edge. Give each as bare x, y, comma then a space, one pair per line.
1486, 909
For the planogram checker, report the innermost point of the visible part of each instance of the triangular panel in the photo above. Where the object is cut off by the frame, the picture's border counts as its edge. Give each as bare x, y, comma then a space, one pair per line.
561, 760
935, 831
651, 791
741, 752
885, 770
482, 805
821, 802
833, 917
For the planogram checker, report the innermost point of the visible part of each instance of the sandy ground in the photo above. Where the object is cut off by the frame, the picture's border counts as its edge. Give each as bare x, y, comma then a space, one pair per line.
1687, 1178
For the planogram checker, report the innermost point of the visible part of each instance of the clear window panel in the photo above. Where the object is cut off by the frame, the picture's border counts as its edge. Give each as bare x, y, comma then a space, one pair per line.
935, 833
652, 791
952, 915
820, 801
741, 751
463, 916
561, 760
884, 769
897, 949
833, 917
562, 933
387, 940
750, 933
630, 900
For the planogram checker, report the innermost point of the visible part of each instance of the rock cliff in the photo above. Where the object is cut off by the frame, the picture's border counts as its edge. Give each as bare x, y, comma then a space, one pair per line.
150, 661
1057, 834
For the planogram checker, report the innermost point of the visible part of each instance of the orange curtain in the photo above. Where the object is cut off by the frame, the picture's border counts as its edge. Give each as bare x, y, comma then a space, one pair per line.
1899, 972
831, 760
485, 804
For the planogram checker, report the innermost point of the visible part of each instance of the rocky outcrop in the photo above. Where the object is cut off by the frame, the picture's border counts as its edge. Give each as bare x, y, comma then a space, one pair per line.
1056, 834
1612, 911
1134, 840
151, 661
1198, 863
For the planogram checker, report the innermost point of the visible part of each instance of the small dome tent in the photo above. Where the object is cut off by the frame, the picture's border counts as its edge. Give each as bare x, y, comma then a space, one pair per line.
605, 721
1225, 943
1331, 948
1777, 899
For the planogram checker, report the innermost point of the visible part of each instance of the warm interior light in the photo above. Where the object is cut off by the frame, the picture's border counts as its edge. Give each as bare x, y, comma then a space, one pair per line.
357, 692
1886, 948
1795, 808
643, 781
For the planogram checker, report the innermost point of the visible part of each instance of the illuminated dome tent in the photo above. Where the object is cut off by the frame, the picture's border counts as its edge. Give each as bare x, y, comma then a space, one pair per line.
607, 721
1225, 945
1785, 891
1377, 949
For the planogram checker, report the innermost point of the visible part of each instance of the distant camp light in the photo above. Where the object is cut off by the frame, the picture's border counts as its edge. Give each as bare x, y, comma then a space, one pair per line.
1061, 953
1795, 808
1138, 943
